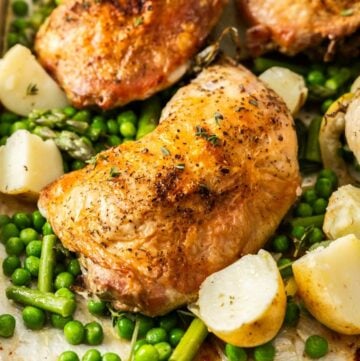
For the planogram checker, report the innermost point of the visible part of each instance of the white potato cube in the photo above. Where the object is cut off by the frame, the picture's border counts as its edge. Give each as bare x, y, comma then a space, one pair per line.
27, 164
343, 213
25, 85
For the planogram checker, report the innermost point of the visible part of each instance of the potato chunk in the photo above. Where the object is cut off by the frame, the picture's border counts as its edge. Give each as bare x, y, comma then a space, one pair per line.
27, 164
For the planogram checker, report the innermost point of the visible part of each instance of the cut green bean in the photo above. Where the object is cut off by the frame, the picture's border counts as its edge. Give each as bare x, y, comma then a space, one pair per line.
190, 342
149, 116
43, 300
47, 264
312, 146
316, 221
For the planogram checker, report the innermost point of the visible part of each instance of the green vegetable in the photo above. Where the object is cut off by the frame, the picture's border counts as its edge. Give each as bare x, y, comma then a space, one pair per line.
69, 111
147, 353
261, 64
338, 79
292, 314
34, 248
43, 300
234, 353
64, 280
285, 267
125, 328
316, 77
139, 343
298, 231
47, 263
34, 318
316, 346
7, 325
303, 222
9, 230
303, 210
74, 332
127, 117
77, 164
22, 220
329, 174
326, 105
280, 243
113, 126
156, 335
94, 334
65, 292
324, 187
149, 116
59, 321
316, 235
128, 130
21, 277
164, 350
20, 7
114, 140
28, 234
46, 229
319, 206
68, 356
169, 321
92, 355
32, 264
145, 324
10, 264
74, 267
312, 152
59, 267
264, 352
111, 356
14, 246
82, 116
17, 126
190, 342
4, 219
175, 336
96, 308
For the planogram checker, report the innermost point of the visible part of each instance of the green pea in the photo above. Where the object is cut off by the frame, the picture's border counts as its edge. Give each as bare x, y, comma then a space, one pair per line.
264, 352
5, 129
21, 124
164, 350
68, 356
113, 126
114, 140
21, 277
10, 264
316, 77
77, 164
324, 187
92, 355
34, 248
280, 243
65, 292
46, 230
303, 210
125, 328
156, 335
127, 117
28, 234
326, 105
9, 230
32, 264
59, 268
74, 267
96, 308
316, 346
139, 343
33, 318
234, 353
14, 246
3, 140
125, 140
7, 325
169, 321
298, 232
329, 174
4, 219
94, 334
145, 324
147, 353
21, 220
99, 123
319, 206
292, 314
59, 321
285, 266
175, 336
110, 356
93, 132
316, 235
8, 117
74, 332
12, 39
128, 130
69, 111
20, 7
64, 280
82, 116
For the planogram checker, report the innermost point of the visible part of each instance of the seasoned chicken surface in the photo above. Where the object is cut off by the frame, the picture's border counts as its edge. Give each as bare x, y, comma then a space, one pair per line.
153, 218
292, 26
111, 52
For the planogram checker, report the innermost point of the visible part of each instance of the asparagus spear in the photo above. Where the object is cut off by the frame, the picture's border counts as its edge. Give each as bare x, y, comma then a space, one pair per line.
47, 263
78, 147
191, 341
44, 300
312, 152
149, 117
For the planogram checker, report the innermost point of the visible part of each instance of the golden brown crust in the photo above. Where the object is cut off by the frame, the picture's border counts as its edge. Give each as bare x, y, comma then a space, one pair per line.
152, 233
294, 26
111, 52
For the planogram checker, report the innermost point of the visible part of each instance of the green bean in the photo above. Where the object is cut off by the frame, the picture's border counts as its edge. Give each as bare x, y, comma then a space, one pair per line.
312, 152
43, 300
316, 221
149, 116
190, 342
47, 264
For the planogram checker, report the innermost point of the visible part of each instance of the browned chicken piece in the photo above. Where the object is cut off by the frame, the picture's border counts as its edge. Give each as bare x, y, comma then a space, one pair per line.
293, 26
153, 218
111, 52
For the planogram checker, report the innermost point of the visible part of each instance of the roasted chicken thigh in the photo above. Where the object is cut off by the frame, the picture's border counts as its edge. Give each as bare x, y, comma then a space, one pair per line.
111, 52
152, 219
292, 26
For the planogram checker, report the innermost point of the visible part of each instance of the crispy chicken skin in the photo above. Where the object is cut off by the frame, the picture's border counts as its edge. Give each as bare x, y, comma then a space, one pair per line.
153, 218
111, 52
292, 26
